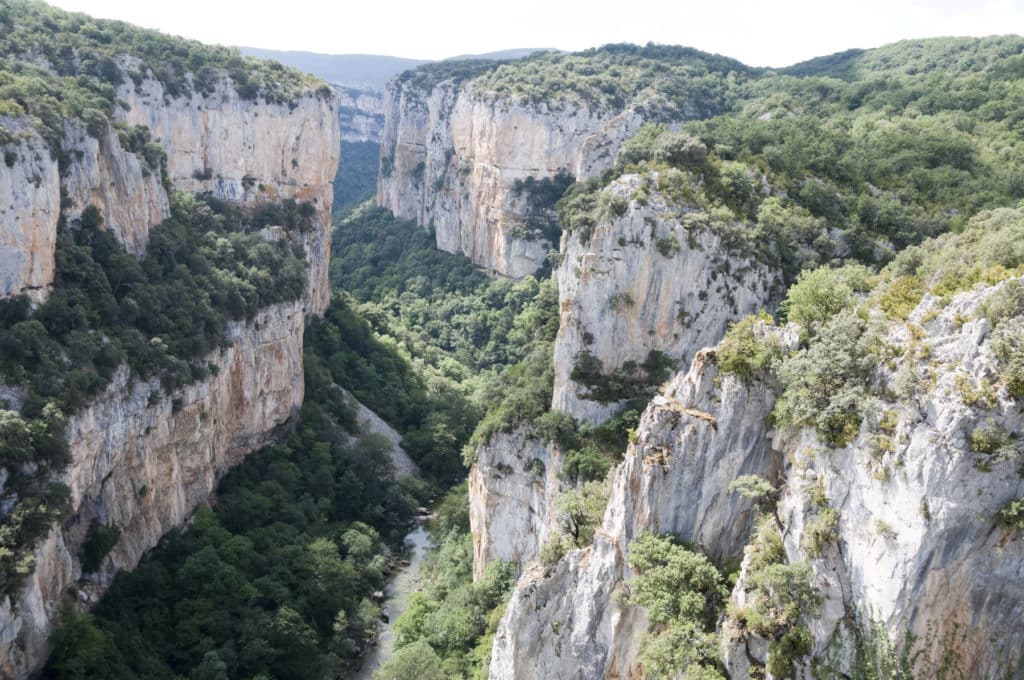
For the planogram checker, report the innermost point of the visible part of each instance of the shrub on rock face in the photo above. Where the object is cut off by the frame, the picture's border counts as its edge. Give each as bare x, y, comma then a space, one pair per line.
1012, 513
680, 148
683, 593
747, 351
1008, 347
826, 385
820, 294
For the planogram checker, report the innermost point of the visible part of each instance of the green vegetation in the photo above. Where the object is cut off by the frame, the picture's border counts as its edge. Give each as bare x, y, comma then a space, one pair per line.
426, 77
663, 81
756, 488
356, 180
293, 549
777, 596
447, 630
806, 167
98, 543
683, 594
627, 382
819, 532
826, 386
85, 65
162, 314
1012, 514
820, 294
541, 197
276, 579
589, 451
476, 344
580, 510
31, 451
749, 350
1008, 346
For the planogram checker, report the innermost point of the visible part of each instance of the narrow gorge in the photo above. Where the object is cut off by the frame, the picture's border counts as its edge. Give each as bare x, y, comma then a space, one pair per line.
697, 370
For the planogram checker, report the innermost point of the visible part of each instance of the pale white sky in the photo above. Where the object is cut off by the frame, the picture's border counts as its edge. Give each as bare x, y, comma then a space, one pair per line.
757, 32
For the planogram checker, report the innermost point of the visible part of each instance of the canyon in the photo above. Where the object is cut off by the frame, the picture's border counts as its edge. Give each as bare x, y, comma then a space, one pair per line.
672, 248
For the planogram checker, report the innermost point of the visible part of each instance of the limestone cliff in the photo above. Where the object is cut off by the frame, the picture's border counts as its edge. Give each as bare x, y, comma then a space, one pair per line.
128, 192
638, 283
249, 151
699, 434
143, 460
361, 112
641, 282
512, 488
917, 547
29, 209
450, 158
240, 150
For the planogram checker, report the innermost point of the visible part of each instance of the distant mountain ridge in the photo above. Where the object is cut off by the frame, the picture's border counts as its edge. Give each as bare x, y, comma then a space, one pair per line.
366, 71
360, 70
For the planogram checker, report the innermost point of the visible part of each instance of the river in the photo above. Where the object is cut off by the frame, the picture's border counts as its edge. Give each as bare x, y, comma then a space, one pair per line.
405, 581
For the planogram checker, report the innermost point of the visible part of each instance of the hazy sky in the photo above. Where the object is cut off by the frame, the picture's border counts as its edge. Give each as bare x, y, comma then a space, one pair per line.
758, 32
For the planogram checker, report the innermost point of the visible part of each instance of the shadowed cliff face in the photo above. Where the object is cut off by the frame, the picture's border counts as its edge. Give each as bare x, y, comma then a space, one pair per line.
144, 464
450, 160
142, 460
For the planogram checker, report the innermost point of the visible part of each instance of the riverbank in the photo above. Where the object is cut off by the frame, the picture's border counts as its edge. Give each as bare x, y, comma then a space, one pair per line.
404, 582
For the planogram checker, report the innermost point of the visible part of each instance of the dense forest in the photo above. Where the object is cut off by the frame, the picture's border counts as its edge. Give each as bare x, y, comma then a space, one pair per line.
320, 509
275, 579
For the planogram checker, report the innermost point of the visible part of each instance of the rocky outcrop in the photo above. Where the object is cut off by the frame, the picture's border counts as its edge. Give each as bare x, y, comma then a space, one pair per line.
128, 193
240, 150
450, 158
29, 209
361, 112
512, 490
917, 554
638, 283
702, 432
642, 282
143, 460
250, 151
918, 546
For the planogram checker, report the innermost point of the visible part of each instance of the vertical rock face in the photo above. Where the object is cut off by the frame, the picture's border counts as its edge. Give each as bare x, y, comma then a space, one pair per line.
450, 158
702, 432
917, 548
143, 460
361, 112
641, 282
29, 209
244, 151
513, 486
624, 291
128, 193
249, 151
